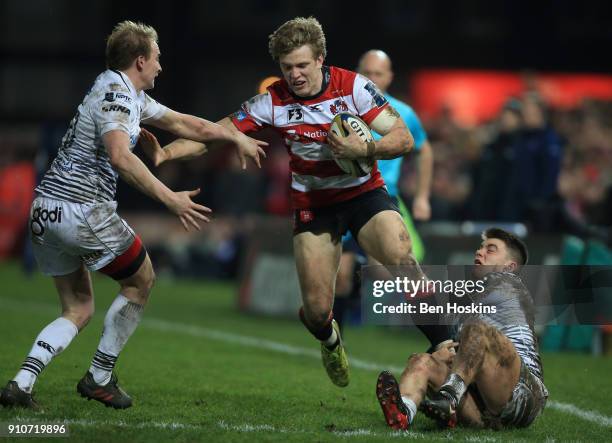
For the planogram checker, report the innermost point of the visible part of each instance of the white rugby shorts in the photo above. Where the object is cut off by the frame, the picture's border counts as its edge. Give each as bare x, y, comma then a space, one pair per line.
66, 234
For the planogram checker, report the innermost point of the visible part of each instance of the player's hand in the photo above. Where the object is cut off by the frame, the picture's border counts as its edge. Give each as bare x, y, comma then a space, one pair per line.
421, 210
151, 147
189, 212
251, 148
445, 351
349, 147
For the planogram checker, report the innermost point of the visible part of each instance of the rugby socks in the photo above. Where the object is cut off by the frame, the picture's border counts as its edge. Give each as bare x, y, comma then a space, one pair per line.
326, 334
454, 386
411, 407
52, 340
332, 341
120, 322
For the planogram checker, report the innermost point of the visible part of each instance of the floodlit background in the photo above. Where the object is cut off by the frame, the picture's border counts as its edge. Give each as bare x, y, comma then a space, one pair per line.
462, 66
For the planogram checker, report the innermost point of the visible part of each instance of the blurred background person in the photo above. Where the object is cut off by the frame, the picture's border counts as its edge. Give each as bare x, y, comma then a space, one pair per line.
491, 188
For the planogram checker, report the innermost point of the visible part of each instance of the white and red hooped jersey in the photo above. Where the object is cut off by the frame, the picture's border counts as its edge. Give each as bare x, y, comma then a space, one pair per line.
303, 122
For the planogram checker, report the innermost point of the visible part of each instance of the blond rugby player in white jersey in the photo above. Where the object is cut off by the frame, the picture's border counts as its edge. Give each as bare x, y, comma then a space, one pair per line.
74, 224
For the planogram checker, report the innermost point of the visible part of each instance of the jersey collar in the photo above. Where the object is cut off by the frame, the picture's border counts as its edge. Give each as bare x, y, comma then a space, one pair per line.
126, 80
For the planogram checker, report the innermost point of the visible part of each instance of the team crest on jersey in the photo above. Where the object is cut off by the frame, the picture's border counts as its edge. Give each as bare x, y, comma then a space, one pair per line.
338, 106
295, 115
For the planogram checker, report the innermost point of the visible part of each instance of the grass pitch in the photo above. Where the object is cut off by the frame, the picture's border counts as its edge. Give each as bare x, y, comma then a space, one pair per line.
199, 370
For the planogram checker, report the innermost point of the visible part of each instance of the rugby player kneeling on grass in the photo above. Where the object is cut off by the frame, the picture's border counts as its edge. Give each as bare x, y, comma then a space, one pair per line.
491, 376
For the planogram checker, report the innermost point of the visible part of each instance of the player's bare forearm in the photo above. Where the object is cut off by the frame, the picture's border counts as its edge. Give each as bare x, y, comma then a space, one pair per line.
132, 169
425, 171
229, 134
136, 174
397, 139
194, 128
184, 149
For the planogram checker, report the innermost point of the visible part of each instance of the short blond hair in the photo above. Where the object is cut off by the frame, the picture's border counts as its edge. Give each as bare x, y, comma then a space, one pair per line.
296, 33
128, 41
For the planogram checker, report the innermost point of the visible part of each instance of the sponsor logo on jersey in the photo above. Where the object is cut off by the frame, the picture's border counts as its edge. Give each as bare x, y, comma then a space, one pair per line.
378, 98
40, 215
319, 134
124, 97
292, 134
114, 108
315, 108
111, 96
295, 115
338, 106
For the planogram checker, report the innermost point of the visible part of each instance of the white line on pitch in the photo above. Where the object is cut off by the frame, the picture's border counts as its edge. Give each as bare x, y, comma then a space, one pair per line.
249, 341
592, 416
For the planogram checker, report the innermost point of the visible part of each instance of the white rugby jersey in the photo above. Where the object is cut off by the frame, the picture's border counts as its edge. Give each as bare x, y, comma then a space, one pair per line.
304, 122
514, 316
81, 172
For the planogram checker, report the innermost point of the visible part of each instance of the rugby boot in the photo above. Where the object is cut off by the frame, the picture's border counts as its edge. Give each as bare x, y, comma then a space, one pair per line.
441, 407
391, 403
110, 395
12, 396
335, 361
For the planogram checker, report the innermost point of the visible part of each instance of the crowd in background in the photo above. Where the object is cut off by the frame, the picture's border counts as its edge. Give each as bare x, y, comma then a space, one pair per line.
530, 164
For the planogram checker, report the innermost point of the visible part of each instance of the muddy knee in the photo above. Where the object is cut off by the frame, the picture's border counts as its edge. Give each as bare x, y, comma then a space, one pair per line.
418, 363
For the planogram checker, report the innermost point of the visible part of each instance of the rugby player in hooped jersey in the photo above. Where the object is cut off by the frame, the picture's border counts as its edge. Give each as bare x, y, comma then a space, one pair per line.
327, 201
74, 224
495, 378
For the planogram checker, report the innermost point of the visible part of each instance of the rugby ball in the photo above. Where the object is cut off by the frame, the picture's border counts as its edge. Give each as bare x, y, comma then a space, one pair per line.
357, 167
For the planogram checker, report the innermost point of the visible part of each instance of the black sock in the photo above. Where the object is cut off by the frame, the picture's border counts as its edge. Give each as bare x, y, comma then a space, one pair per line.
322, 333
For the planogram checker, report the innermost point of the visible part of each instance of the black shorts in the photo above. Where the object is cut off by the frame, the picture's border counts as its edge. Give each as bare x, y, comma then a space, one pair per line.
350, 215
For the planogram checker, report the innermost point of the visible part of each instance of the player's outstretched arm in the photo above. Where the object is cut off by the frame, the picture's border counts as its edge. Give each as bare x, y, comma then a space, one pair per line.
134, 171
200, 130
179, 149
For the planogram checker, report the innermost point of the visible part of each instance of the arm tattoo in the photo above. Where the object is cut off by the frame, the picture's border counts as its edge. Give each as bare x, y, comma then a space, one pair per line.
392, 112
